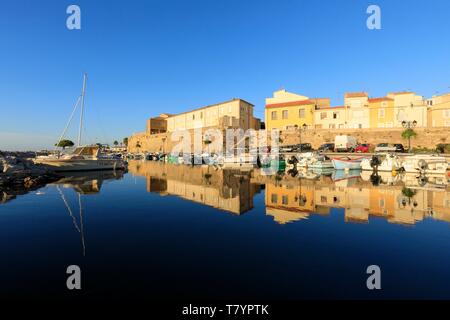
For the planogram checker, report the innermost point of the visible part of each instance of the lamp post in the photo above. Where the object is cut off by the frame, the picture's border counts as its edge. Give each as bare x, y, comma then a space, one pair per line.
302, 128
409, 125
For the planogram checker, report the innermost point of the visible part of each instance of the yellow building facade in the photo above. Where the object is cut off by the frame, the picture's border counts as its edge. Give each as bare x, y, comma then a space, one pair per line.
439, 111
408, 106
381, 112
287, 110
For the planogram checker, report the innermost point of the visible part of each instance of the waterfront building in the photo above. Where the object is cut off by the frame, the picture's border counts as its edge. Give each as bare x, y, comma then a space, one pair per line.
408, 106
288, 111
157, 124
439, 111
356, 110
381, 112
232, 114
329, 117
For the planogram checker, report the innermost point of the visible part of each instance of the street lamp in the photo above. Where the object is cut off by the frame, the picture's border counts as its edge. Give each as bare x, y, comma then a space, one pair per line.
409, 125
302, 128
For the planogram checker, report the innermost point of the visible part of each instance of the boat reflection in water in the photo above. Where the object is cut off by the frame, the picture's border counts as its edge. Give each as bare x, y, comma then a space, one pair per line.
83, 183
403, 199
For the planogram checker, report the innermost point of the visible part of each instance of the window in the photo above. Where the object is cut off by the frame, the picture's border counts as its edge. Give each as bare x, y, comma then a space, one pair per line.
323, 199
301, 113
381, 202
201, 115
381, 113
332, 126
285, 200
193, 117
446, 113
274, 198
285, 114
323, 115
274, 115
335, 115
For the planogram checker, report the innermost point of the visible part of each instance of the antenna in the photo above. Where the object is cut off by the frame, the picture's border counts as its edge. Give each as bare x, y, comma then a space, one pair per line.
83, 92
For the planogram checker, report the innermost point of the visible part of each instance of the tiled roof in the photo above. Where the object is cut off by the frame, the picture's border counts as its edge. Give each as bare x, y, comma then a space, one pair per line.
356, 94
380, 99
290, 104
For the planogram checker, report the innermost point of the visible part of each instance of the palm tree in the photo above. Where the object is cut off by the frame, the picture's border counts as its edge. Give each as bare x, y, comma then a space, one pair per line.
408, 134
116, 143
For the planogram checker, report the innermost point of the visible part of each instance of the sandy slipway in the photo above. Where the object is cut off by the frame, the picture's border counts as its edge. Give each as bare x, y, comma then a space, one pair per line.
19, 175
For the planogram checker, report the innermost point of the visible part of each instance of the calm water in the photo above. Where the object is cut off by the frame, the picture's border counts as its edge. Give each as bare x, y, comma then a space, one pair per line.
166, 231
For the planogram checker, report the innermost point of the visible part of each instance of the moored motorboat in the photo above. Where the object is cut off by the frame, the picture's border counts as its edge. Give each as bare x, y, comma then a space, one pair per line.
347, 163
425, 164
382, 162
320, 162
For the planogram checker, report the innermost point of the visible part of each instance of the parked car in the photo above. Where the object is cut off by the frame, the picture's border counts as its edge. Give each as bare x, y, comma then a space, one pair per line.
326, 147
362, 148
345, 143
287, 148
385, 147
302, 147
399, 147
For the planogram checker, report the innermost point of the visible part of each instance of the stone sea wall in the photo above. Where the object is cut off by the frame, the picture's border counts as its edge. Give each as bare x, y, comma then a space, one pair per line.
427, 138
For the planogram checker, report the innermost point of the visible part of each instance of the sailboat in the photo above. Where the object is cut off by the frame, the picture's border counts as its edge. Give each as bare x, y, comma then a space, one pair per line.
83, 158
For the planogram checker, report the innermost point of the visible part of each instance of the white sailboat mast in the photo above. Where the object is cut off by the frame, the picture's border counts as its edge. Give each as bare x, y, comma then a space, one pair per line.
82, 109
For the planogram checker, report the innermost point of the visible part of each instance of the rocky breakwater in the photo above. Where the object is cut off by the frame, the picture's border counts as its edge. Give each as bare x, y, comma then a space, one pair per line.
19, 175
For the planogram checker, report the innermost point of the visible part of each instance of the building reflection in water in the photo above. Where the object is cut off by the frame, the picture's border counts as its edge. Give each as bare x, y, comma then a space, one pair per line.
229, 190
403, 199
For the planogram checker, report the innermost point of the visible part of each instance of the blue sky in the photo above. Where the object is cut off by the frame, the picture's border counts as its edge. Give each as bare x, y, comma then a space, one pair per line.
148, 57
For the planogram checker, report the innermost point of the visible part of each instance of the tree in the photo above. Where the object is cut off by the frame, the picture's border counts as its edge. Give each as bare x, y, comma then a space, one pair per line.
65, 143
116, 143
125, 141
408, 134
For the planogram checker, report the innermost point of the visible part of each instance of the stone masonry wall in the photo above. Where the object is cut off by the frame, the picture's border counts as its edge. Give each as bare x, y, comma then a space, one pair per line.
425, 138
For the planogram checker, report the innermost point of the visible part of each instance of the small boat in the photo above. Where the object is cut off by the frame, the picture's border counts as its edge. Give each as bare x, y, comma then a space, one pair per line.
305, 158
346, 163
425, 164
382, 162
320, 162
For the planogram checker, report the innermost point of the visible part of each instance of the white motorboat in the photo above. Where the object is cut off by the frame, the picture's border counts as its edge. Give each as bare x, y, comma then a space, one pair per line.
83, 158
425, 164
320, 162
382, 162
304, 158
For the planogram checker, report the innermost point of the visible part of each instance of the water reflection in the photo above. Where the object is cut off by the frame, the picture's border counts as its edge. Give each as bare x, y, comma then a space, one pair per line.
404, 199
229, 190
83, 183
